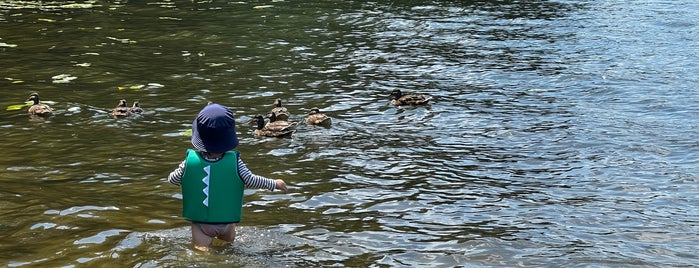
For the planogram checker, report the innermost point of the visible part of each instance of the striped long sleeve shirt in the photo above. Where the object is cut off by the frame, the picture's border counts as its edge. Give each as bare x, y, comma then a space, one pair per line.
249, 179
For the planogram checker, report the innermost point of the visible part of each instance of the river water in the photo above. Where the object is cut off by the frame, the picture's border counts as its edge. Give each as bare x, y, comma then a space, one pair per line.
560, 133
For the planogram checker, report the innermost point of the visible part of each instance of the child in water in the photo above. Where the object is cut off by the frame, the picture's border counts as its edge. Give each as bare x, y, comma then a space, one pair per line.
213, 178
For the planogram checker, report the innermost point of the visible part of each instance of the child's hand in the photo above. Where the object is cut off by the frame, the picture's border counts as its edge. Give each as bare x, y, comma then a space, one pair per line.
280, 185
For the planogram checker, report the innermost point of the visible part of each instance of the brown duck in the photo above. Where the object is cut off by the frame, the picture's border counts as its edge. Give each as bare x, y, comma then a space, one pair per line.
38, 109
315, 117
281, 112
136, 108
273, 128
407, 99
121, 110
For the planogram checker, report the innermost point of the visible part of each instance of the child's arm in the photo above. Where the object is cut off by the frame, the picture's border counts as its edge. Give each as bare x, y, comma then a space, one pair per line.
258, 182
175, 176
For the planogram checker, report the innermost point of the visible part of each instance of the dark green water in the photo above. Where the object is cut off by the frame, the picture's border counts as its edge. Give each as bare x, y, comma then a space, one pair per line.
561, 133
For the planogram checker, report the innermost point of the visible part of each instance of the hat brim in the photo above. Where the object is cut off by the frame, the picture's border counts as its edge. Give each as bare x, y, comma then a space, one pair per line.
213, 130
217, 141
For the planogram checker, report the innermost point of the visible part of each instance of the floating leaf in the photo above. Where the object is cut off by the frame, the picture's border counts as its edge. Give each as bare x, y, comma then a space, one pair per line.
19, 106
15, 107
130, 87
187, 132
17, 81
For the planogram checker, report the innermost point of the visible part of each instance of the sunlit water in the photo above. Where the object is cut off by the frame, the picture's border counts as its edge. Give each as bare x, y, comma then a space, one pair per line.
561, 133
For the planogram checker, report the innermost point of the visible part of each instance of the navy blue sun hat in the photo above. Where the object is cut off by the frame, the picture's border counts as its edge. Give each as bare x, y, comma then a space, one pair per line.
213, 130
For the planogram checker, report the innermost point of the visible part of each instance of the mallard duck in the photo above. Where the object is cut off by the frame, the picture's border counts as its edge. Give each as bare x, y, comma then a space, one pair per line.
136, 108
121, 110
408, 99
281, 112
274, 128
315, 117
276, 124
38, 109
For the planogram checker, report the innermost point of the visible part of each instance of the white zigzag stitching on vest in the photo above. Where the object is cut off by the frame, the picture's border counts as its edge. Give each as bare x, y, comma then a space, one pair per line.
207, 169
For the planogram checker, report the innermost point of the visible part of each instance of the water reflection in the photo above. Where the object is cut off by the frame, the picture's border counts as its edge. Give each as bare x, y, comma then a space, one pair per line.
543, 145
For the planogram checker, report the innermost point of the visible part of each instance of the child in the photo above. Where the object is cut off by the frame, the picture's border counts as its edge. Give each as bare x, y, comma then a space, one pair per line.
213, 178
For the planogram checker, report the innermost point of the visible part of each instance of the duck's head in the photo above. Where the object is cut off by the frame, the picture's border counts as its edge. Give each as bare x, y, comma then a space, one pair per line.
260, 121
136, 104
122, 103
34, 97
396, 94
314, 110
277, 103
272, 116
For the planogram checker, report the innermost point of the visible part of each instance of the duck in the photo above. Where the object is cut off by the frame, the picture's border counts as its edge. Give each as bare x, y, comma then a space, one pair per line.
315, 117
276, 124
38, 109
121, 110
136, 108
281, 112
408, 99
273, 128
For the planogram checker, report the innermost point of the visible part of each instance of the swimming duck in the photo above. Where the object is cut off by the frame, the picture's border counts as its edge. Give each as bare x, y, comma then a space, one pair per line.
315, 117
136, 108
275, 123
273, 129
281, 112
121, 110
408, 99
37, 108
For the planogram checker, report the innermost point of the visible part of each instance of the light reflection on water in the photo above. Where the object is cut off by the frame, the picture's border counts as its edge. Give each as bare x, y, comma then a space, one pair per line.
559, 135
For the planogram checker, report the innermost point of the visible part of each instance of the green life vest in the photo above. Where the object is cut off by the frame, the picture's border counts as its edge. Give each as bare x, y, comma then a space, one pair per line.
212, 192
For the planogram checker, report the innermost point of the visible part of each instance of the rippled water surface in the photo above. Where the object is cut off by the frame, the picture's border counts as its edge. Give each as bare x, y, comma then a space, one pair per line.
560, 133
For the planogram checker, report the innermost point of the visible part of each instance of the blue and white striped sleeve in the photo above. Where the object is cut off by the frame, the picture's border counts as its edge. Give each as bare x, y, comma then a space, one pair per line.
254, 181
175, 176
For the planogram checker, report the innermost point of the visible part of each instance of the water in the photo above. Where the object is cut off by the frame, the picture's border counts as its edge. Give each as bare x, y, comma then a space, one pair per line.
561, 133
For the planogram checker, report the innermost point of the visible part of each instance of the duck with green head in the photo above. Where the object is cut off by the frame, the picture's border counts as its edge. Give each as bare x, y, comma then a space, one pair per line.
38, 109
